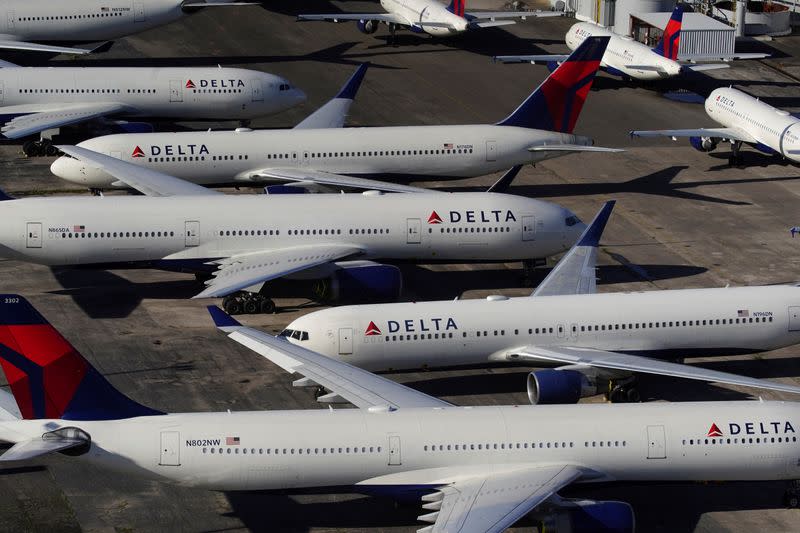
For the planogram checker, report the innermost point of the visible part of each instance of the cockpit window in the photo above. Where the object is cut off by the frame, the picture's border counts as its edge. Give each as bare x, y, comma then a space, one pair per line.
286, 333
295, 334
284, 87
571, 221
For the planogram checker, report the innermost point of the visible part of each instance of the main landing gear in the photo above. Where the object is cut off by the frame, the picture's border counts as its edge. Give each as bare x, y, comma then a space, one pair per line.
791, 498
735, 158
529, 267
623, 390
43, 147
247, 303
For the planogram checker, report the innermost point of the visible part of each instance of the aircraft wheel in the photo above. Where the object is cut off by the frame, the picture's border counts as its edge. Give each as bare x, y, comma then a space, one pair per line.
267, 306
251, 306
618, 395
791, 499
319, 391
232, 306
50, 150
30, 148
633, 395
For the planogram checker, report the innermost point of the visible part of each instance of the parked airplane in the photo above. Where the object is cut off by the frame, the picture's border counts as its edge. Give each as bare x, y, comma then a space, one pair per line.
475, 469
596, 340
39, 99
28, 23
745, 120
242, 241
628, 58
540, 128
429, 16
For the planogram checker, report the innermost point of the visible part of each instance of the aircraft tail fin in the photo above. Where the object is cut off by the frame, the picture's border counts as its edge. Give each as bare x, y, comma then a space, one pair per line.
48, 377
4, 196
457, 7
668, 45
556, 104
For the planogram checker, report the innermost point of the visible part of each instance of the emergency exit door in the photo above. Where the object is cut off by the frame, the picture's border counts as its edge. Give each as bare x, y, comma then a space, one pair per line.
175, 91
395, 457
10, 18
345, 341
491, 150
413, 231
529, 228
33, 237
656, 443
794, 318
258, 91
2, 92
192, 233
138, 12
170, 448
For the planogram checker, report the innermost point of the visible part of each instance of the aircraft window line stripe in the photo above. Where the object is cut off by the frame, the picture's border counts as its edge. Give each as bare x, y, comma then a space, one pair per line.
710, 441
234, 449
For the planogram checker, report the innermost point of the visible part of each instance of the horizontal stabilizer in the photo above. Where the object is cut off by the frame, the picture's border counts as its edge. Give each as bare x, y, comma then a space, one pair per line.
217, 3
37, 447
494, 15
341, 17
648, 68
542, 58
706, 66
492, 23
505, 180
571, 148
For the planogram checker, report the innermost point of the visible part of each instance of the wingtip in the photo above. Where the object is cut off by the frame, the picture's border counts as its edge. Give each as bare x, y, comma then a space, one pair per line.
350, 88
221, 318
593, 233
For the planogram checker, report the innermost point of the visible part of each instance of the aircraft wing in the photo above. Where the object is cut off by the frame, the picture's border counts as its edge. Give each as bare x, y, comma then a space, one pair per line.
146, 181
359, 387
308, 176
53, 116
635, 363
481, 499
542, 58
339, 17
334, 112
575, 272
733, 134
495, 15
252, 269
34, 47
571, 148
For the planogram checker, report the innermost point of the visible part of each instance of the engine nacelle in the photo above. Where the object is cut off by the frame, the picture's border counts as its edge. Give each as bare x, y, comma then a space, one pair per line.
283, 189
559, 386
703, 144
361, 282
590, 517
367, 26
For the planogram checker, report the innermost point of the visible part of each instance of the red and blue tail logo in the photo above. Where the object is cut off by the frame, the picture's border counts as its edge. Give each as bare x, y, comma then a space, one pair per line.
48, 377
671, 40
556, 104
457, 7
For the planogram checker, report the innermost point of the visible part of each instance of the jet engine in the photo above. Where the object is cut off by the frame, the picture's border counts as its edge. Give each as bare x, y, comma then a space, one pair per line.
703, 144
360, 281
586, 516
367, 26
559, 386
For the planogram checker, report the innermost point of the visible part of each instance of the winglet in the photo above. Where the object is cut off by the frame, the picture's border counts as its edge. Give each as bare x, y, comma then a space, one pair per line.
222, 320
350, 88
104, 47
4, 196
591, 235
505, 180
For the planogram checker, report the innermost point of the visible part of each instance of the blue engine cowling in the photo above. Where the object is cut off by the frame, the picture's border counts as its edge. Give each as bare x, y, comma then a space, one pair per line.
284, 189
367, 26
703, 144
368, 282
131, 127
558, 386
761, 147
591, 517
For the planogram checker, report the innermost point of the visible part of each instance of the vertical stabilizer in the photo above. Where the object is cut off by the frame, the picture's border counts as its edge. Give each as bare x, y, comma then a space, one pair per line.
670, 41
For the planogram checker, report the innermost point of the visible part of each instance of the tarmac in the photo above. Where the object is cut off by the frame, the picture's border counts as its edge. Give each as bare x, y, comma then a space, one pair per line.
683, 219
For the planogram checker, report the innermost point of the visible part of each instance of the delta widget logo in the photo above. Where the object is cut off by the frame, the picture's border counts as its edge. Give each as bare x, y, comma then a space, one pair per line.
714, 431
190, 84
137, 152
434, 218
372, 330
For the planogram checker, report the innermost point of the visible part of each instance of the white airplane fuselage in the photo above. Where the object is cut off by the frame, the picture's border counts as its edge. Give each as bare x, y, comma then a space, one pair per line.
322, 448
83, 20
174, 92
188, 230
222, 157
776, 131
677, 323
418, 12
624, 51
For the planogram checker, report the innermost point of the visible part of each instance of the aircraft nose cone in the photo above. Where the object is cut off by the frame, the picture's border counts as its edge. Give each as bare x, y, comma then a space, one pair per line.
299, 96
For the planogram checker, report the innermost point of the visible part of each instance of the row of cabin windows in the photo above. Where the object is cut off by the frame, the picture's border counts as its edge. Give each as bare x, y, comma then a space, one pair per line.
422, 336
257, 233
521, 446
116, 234
248, 233
78, 91
71, 17
737, 440
749, 119
240, 157
207, 91
379, 153
295, 451
490, 229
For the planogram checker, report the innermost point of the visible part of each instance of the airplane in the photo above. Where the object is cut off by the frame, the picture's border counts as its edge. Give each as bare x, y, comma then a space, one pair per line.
238, 242
597, 342
45, 99
745, 120
31, 23
628, 58
540, 128
473, 469
428, 16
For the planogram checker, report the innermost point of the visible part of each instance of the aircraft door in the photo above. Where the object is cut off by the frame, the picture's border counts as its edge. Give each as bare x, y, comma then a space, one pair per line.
192, 233
305, 161
573, 331
175, 91
10, 18
258, 91
138, 12
656, 443
2, 92
395, 457
414, 231
491, 150
345, 341
170, 448
528, 228
33, 235
794, 318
